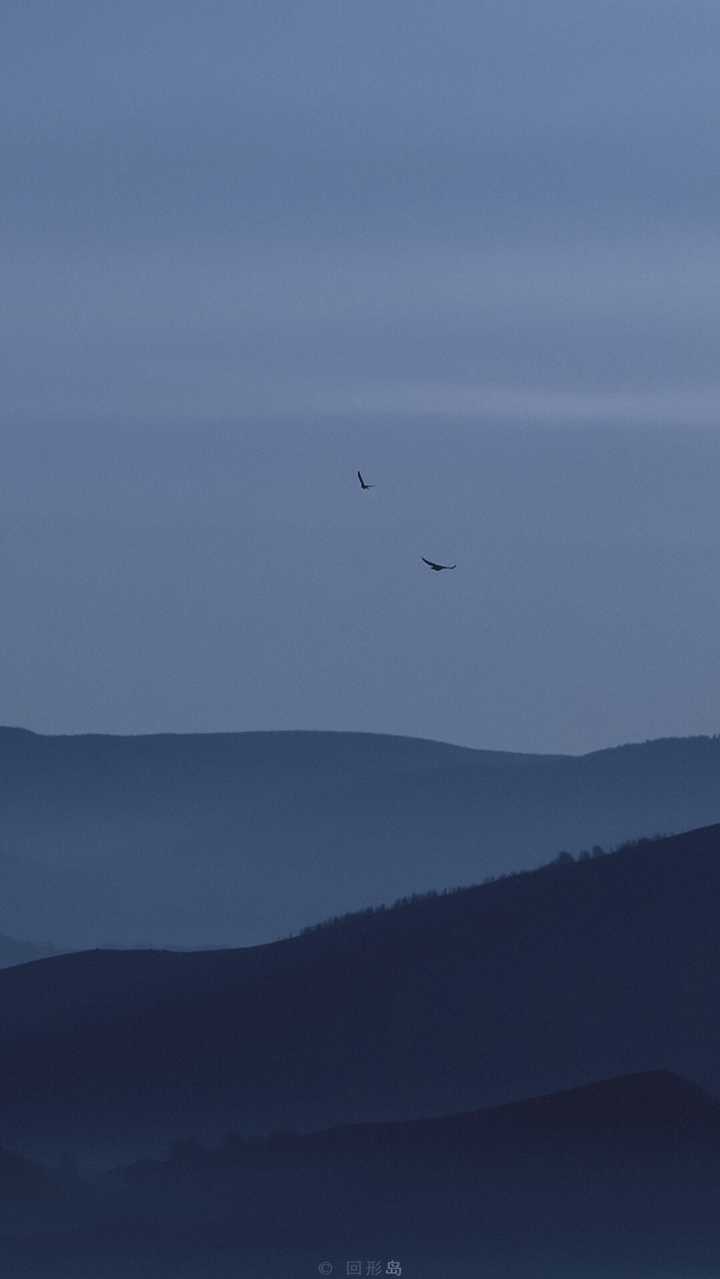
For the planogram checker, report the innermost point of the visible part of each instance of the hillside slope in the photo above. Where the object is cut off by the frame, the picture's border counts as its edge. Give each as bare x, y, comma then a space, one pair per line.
623, 1171
538, 982
625, 1168
239, 838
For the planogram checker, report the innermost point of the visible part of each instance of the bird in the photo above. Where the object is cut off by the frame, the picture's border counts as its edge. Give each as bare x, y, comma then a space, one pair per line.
363, 485
437, 568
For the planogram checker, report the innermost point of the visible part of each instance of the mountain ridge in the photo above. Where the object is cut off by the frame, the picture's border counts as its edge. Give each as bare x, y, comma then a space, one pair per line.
440, 1004
11, 732
623, 1169
237, 839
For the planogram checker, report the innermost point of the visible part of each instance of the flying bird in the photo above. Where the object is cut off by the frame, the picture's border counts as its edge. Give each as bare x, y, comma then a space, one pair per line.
363, 485
437, 568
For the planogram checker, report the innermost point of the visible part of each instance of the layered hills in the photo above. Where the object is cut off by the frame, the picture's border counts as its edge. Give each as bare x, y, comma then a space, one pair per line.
241, 838
617, 1177
542, 981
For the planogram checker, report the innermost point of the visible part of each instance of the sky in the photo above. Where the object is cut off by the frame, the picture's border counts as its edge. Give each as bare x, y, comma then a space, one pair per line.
471, 248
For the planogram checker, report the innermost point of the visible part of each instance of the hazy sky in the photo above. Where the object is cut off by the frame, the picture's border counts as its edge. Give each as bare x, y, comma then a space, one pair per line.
472, 248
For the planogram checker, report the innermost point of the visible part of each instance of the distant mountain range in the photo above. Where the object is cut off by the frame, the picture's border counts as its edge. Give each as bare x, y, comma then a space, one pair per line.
240, 838
542, 981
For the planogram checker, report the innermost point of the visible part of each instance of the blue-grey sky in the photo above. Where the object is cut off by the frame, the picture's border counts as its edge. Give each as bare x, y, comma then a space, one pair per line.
471, 247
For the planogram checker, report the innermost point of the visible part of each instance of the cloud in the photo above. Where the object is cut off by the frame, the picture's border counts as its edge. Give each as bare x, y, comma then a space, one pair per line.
697, 407
474, 208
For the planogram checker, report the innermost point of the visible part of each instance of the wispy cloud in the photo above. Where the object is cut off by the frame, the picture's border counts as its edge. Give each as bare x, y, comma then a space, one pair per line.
673, 406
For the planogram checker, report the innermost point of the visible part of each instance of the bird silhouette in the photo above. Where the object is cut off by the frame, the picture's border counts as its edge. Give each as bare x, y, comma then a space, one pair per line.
437, 568
363, 485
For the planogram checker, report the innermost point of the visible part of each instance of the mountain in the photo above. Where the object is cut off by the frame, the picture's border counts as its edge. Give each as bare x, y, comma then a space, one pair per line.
240, 838
617, 1177
637, 1110
542, 981
621, 1171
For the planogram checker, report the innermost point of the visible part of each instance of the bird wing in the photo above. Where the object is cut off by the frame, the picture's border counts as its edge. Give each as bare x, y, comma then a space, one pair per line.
362, 482
432, 564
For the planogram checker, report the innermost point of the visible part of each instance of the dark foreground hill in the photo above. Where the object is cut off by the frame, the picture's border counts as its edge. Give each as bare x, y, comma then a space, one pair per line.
239, 838
648, 1131
542, 981
616, 1178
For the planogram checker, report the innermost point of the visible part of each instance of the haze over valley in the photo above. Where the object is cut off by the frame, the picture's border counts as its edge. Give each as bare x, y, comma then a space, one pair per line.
233, 839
